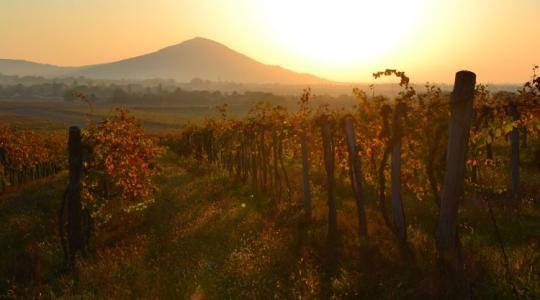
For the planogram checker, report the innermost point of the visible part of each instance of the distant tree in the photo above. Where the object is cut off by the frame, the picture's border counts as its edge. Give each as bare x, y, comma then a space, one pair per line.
196, 81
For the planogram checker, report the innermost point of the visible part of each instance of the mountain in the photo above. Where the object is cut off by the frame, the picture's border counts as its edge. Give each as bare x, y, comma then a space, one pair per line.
196, 58
23, 68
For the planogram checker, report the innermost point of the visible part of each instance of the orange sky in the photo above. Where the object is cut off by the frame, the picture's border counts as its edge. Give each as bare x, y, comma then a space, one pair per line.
343, 40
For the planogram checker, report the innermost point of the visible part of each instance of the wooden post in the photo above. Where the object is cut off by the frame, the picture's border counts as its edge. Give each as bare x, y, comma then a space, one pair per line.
487, 113
282, 164
264, 160
275, 167
253, 155
524, 134
385, 133
514, 140
385, 112
74, 193
3, 166
305, 175
356, 180
245, 162
397, 202
489, 148
328, 146
458, 135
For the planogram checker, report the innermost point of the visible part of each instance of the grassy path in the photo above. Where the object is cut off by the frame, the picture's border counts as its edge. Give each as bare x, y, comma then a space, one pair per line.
203, 238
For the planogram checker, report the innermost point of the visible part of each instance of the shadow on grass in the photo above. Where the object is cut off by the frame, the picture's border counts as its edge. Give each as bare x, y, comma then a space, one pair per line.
31, 253
207, 236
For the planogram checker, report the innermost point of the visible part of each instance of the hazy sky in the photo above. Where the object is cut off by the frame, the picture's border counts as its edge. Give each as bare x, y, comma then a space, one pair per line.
338, 39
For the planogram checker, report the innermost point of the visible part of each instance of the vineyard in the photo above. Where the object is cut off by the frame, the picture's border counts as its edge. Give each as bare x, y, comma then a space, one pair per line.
26, 156
391, 147
389, 187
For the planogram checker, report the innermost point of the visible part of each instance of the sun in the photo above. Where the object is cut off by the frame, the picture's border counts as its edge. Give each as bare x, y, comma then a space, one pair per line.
340, 31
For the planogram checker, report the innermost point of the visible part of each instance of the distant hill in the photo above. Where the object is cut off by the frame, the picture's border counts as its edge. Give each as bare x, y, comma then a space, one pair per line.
195, 58
24, 68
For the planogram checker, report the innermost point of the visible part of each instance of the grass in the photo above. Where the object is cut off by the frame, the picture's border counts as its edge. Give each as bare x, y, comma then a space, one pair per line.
30, 256
209, 237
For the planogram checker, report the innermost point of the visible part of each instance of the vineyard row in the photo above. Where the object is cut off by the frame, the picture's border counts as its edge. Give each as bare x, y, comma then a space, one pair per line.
27, 156
429, 144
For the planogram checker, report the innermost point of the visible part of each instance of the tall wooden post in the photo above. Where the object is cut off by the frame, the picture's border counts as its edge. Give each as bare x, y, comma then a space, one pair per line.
264, 160
74, 231
3, 163
458, 135
305, 174
514, 141
488, 118
397, 203
328, 147
356, 179
524, 134
276, 177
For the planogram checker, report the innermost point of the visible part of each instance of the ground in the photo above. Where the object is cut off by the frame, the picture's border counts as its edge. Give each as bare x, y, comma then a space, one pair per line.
209, 237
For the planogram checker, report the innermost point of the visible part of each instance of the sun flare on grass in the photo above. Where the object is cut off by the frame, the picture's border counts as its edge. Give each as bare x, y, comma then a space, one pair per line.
342, 31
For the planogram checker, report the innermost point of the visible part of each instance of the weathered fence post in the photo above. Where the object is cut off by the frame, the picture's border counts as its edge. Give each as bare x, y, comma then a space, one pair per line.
305, 175
356, 179
385, 133
75, 242
524, 134
275, 159
282, 164
3, 166
514, 141
264, 159
253, 153
397, 202
458, 135
487, 112
328, 147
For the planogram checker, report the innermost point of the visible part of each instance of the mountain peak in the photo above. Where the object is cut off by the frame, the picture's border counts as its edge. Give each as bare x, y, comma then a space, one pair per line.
200, 41
199, 45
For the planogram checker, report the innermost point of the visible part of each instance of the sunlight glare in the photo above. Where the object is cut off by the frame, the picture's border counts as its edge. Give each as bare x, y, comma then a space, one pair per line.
340, 31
